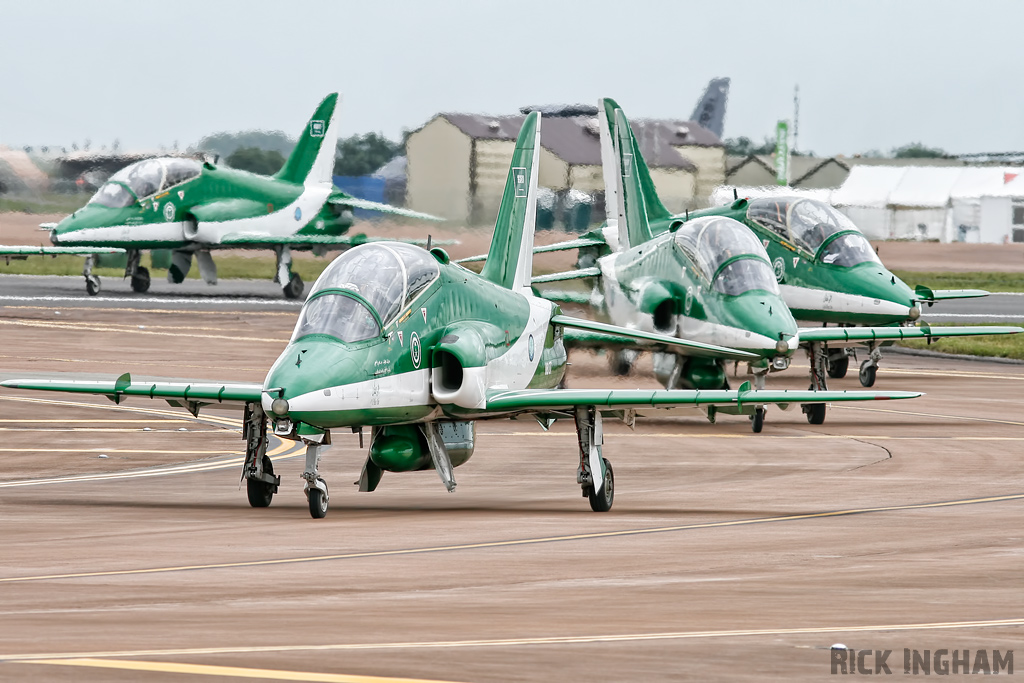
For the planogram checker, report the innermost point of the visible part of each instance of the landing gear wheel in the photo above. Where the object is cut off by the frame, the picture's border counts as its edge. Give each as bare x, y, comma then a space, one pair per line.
620, 363
260, 492
757, 420
140, 281
601, 501
317, 503
837, 367
815, 413
294, 288
92, 285
867, 373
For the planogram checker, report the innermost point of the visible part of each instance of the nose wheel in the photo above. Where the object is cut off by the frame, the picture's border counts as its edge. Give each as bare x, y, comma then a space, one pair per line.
868, 370
92, 284
318, 499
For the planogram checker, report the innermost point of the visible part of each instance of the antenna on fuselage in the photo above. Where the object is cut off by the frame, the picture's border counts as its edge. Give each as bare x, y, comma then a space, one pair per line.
428, 242
735, 194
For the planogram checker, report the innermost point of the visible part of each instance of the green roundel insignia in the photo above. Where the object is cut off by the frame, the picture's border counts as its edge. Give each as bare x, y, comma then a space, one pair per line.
414, 352
168, 211
780, 269
529, 346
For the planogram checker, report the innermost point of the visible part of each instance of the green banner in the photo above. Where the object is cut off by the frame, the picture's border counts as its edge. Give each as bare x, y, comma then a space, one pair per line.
782, 153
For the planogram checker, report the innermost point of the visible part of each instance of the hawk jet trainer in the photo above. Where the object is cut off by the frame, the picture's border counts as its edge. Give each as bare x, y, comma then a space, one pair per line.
400, 340
710, 283
194, 207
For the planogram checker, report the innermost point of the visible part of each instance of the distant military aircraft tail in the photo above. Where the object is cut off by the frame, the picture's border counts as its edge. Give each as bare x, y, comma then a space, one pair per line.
312, 160
710, 109
510, 258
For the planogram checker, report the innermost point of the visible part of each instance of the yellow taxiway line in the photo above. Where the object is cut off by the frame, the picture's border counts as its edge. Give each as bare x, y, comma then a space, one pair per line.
226, 671
166, 311
231, 422
518, 542
163, 364
952, 373
935, 415
52, 658
93, 327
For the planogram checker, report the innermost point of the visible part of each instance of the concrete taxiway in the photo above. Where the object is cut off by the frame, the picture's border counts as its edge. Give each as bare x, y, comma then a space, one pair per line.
727, 556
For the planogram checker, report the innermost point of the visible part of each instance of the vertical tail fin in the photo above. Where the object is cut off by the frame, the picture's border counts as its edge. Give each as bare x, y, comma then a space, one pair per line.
312, 160
654, 209
710, 109
634, 228
510, 258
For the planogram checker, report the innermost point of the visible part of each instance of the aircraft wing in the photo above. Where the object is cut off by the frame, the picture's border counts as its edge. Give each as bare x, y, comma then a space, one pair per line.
355, 203
55, 251
578, 243
566, 297
854, 335
577, 274
249, 239
175, 393
635, 338
930, 296
544, 400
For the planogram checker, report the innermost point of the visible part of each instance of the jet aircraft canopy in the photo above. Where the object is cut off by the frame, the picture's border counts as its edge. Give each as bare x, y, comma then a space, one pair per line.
728, 253
143, 179
815, 227
388, 277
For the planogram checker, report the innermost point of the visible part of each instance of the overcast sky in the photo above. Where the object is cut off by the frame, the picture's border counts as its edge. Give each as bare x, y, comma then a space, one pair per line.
872, 75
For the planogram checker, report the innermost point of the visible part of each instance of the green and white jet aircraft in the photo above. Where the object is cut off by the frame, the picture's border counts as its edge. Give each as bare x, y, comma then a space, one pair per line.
194, 207
700, 288
828, 272
417, 348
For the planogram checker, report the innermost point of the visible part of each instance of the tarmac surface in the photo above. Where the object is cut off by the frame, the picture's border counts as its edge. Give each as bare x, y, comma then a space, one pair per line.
728, 555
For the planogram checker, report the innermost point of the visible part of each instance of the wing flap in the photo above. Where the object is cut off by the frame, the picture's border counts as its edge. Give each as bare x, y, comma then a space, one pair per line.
355, 203
124, 386
566, 399
862, 334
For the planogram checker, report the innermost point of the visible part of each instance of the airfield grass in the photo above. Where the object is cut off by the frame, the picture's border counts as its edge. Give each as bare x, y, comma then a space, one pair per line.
45, 202
996, 346
989, 281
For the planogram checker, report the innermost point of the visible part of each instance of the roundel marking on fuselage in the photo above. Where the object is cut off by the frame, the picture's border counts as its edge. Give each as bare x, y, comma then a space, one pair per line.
780, 269
414, 350
168, 211
530, 347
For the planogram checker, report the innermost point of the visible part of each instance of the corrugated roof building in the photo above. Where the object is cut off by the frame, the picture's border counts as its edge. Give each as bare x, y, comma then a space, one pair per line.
457, 163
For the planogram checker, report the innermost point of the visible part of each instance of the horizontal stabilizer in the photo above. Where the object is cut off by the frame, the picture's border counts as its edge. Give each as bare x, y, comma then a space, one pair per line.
578, 274
125, 386
558, 246
675, 344
863, 334
366, 204
54, 251
565, 399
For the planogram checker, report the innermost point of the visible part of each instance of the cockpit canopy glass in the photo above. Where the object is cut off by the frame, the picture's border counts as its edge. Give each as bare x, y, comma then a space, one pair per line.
146, 178
713, 240
744, 275
340, 316
849, 250
389, 276
806, 223
113, 195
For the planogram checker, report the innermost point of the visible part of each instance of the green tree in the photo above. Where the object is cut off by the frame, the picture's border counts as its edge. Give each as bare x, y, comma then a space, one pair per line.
916, 150
256, 160
364, 154
744, 146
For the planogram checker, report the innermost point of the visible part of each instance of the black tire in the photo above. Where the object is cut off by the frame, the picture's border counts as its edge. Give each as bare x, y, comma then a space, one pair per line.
601, 501
92, 285
816, 413
757, 420
317, 503
837, 367
294, 288
260, 492
140, 281
868, 370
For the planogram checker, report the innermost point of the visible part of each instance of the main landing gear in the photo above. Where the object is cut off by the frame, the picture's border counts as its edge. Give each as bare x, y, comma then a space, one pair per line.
258, 471
869, 368
92, 282
818, 354
594, 474
291, 284
138, 273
